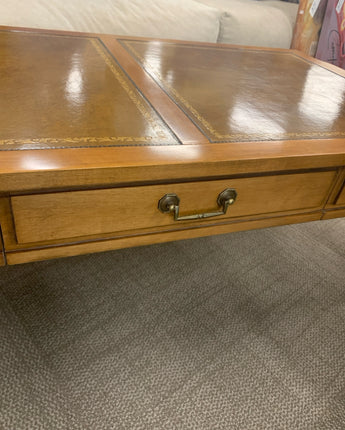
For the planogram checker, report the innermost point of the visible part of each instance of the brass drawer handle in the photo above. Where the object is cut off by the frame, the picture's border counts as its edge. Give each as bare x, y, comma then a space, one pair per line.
171, 203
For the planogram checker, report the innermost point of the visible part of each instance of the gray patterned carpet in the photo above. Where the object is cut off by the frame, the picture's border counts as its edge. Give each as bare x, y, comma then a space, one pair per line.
242, 331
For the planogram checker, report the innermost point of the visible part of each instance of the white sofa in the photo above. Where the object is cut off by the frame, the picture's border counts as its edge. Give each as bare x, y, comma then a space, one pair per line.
245, 22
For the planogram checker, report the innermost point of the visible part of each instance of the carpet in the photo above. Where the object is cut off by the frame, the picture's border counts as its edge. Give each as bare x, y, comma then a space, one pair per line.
240, 331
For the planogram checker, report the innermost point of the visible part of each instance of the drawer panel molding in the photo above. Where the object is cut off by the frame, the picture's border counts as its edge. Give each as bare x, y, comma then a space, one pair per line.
65, 215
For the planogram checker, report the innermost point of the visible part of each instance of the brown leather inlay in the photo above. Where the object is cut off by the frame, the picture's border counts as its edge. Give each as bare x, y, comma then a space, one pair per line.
240, 94
63, 91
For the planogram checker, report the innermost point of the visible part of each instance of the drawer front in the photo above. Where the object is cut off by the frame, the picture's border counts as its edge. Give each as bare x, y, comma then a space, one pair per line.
66, 215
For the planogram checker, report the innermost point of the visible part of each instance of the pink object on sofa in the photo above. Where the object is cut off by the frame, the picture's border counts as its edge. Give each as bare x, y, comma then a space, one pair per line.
331, 47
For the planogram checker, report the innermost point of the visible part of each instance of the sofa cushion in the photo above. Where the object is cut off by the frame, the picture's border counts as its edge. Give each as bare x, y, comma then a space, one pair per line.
253, 23
178, 19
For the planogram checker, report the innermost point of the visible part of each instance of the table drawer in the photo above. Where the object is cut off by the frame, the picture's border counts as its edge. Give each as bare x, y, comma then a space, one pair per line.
66, 215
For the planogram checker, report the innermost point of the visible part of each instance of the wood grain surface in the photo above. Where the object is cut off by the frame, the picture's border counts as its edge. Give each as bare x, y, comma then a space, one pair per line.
25, 256
341, 198
331, 214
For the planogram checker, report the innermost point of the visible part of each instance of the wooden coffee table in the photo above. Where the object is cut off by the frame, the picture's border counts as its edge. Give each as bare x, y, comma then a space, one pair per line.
109, 142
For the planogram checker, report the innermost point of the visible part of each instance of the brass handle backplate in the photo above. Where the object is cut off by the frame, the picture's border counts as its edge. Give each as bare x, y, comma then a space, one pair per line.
170, 203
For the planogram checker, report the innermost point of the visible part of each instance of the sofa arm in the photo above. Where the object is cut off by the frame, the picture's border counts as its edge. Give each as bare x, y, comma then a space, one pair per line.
289, 9
252, 23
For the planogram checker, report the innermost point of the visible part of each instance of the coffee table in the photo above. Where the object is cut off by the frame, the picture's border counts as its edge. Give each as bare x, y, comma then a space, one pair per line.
109, 142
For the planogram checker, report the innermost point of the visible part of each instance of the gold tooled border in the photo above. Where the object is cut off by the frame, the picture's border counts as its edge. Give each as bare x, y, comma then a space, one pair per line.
119, 75
86, 140
214, 133
175, 93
